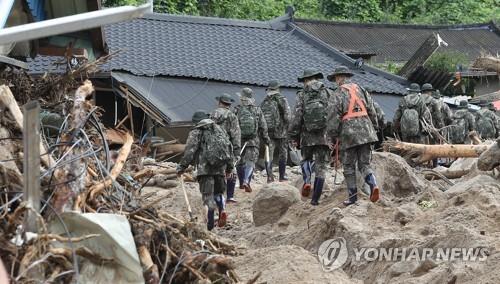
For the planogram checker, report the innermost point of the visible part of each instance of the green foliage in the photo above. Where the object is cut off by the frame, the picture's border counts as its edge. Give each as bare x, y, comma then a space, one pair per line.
447, 61
391, 11
389, 66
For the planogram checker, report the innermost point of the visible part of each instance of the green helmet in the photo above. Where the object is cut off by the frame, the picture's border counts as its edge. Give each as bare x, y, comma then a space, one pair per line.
199, 115
225, 98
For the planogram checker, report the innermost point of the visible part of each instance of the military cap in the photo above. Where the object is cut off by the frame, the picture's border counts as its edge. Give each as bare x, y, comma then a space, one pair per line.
463, 104
310, 73
246, 93
273, 85
414, 88
341, 70
427, 87
225, 98
436, 94
199, 115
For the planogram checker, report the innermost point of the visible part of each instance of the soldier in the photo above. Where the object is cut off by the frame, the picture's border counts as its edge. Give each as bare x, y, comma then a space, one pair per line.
353, 120
445, 110
209, 148
487, 122
225, 118
411, 111
308, 131
253, 128
463, 122
277, 114
433, 105
381, 124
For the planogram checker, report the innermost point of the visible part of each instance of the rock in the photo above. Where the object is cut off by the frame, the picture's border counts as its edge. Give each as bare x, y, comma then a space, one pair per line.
401, 267
490, 158
406, 213
272, 201
394, 176
424, 267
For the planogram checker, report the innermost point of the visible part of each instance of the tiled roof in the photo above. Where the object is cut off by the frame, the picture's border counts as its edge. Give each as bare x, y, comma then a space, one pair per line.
244, 52
399, 42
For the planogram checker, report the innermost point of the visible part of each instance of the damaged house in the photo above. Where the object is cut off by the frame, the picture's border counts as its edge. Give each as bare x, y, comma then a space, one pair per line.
170, 66
397, 45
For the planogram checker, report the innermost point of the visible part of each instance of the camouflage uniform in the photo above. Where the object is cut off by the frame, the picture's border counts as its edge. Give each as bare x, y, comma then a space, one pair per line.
470, 123
356, 131
490, 130
211, 179
313, 144
251, 152
225, 118
279, 134
382, 122
415, 101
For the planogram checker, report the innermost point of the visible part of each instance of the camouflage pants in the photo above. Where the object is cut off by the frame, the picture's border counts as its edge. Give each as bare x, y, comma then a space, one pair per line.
359, 155
249, 157
211, 186
279, 144
320, 154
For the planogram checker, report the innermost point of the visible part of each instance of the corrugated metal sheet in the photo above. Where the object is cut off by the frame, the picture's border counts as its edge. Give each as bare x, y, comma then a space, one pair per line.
175, 99
400, 42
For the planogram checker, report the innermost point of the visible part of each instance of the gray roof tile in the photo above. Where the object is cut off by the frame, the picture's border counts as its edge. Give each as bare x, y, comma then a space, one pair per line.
244, 52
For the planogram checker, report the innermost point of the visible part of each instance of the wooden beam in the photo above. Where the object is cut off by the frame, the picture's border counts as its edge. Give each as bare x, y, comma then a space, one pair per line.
31, 166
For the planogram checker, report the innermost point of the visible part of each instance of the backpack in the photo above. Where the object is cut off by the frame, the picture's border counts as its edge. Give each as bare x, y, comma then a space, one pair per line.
315, 111
485, 126
458, 130
410, 123
216, 148
270, 109
248, 122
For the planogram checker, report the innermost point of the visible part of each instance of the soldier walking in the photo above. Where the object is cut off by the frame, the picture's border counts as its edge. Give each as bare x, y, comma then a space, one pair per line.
353, 120
463, 122
487, 122
253, 128
225, 118
277, 114
209, 149
410, 114
308, 131
433, 105
382, 122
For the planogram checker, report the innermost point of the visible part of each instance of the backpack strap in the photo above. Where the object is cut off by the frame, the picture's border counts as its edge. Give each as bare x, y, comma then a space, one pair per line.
354, 102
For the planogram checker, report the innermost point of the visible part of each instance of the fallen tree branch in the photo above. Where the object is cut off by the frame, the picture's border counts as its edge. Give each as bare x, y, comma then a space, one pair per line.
420, 153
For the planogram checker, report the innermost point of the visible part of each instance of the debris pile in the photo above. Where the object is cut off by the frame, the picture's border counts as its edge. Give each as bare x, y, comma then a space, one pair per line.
91, 198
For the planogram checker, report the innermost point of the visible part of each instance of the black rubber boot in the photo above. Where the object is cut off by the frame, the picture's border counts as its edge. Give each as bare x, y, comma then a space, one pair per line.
231, 184
269, 172
247, 174
239, 171
282, 171
210, 219
374, 190
353, 196
318, 189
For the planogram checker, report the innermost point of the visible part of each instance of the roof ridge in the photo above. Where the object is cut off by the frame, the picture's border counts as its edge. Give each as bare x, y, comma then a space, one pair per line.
209, 20
390, 25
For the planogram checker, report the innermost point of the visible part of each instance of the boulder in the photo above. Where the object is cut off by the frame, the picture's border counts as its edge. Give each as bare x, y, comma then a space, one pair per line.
272, 201
490, 158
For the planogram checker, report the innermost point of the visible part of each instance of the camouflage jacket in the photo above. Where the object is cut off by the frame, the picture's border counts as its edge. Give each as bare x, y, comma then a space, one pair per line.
297, 130
445, 112
192, 155
284, 109
494, 118
414, 101
225, 118
261, 128
468, 116
380, 116
434, 107
353, 131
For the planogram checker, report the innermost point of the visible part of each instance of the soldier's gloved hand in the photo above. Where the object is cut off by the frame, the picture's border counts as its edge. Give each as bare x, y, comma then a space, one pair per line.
229, 174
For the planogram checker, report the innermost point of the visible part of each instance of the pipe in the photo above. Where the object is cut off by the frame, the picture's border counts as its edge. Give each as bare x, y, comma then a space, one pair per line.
72, 23
5, 8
